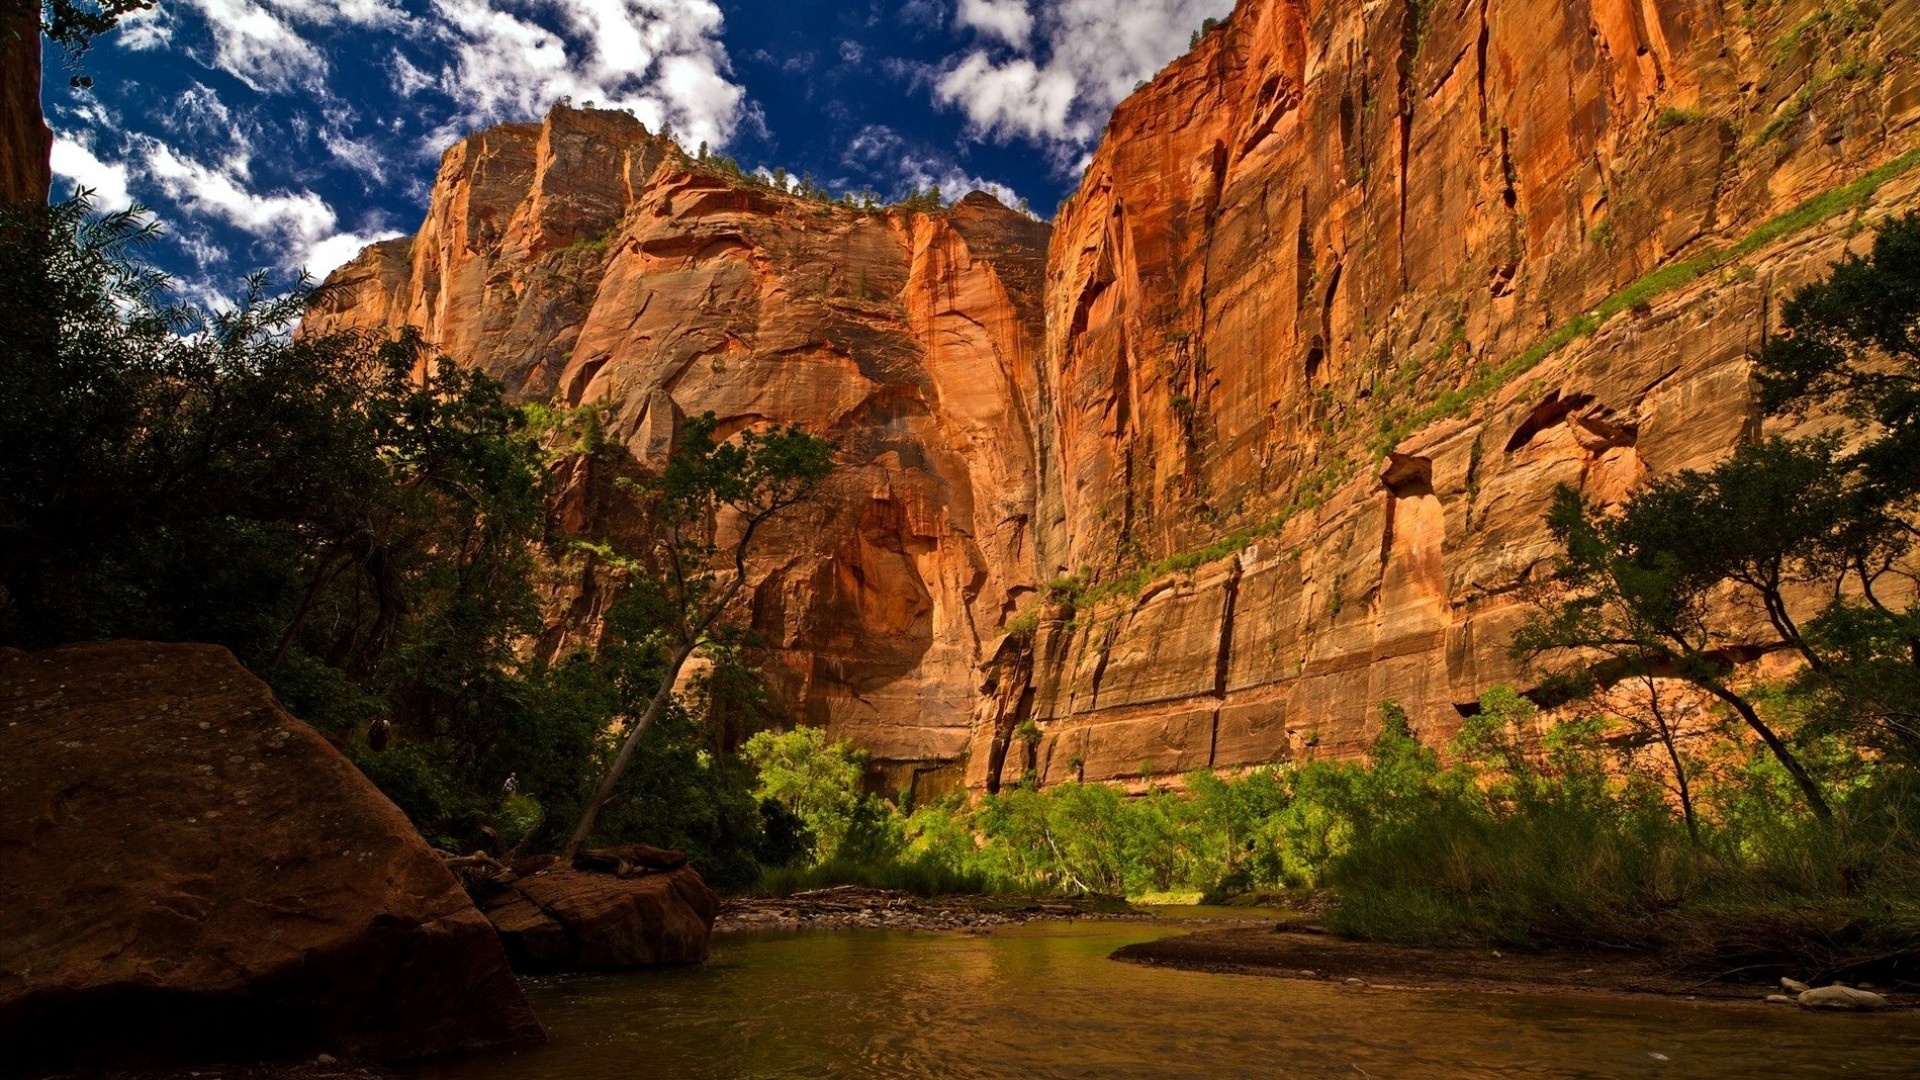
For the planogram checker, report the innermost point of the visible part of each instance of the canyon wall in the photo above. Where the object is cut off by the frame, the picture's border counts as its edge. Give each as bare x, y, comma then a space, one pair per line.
25, 142
1262, 432
583, 261
1349, 289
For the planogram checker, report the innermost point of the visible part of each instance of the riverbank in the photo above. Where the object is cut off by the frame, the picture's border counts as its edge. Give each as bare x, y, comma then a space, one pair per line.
853, 907
1306, 953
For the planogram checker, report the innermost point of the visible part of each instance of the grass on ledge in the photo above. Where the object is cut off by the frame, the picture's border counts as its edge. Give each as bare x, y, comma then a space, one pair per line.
1642, 291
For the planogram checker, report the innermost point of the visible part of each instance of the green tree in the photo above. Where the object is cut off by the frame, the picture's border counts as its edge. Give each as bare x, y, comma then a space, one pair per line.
1630, 606
703, 513
1816, 532
812, 780
352, 519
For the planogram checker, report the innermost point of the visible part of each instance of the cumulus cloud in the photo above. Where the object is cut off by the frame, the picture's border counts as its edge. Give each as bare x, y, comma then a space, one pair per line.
298, 226
74, 162
661, 59
1051, 72
1008, 20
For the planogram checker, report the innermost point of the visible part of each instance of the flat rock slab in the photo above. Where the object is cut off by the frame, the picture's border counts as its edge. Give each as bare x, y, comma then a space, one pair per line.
568, 920
188, 872
1291, 952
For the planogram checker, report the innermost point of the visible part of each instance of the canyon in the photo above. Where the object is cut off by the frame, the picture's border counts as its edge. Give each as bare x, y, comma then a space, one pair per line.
1259, 431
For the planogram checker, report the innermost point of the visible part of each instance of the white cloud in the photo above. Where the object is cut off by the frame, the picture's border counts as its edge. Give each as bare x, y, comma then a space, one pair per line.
142, 30
1008, 20
74, 161
1065, 72
1017, 97
256, 46
326, 256
360, 155
299, 225
663, 60
954, 182
407, 79
301, 218
351, 12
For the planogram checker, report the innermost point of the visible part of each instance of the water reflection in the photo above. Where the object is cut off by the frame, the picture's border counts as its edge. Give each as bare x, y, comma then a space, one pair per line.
1043, 1001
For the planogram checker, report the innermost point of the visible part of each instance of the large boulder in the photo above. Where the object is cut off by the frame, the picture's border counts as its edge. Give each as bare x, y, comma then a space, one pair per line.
188, 871
570, 920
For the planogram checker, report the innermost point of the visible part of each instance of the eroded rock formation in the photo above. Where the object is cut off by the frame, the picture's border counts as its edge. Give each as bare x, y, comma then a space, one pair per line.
1303, 301
1267, 438
188, 871
585, 261
556, 919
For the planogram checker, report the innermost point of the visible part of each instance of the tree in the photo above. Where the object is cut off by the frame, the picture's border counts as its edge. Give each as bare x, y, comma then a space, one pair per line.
354, 521
1815, 533
704, 512
1850, 344
814, 782
1636, 604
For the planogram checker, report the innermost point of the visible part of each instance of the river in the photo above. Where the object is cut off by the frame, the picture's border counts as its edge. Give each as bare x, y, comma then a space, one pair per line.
1043, 1001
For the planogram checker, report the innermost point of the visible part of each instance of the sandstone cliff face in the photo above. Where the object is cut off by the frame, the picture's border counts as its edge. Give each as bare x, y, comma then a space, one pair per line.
584, 261
1329, 217
25, 142
1267, 438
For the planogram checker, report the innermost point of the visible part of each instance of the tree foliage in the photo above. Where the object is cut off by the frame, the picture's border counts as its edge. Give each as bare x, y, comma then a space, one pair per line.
702, 516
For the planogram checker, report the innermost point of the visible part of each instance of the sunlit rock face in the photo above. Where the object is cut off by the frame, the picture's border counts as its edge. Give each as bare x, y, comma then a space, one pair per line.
1326, 217
582, 261
1288, 247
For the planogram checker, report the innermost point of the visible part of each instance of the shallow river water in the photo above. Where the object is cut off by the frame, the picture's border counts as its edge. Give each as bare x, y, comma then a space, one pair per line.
1043, 1001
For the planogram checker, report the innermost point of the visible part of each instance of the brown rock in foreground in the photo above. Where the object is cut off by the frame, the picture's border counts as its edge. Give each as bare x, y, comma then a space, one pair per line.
186, 871
569, 920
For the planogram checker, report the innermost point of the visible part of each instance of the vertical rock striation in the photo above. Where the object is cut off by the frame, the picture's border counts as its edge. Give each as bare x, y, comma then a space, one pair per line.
25, 143
1267, 435
1347, 290
584, 261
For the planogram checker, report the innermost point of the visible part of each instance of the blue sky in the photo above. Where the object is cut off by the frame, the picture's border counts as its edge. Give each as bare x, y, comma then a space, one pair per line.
287, 133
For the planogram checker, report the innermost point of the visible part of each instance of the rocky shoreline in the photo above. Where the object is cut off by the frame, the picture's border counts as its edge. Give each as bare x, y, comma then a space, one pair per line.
850, 907
1308, 953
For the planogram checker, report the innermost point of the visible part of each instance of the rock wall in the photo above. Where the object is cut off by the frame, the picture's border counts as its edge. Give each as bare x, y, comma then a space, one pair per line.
25, 142
1305, 300
1267, 437
584, 261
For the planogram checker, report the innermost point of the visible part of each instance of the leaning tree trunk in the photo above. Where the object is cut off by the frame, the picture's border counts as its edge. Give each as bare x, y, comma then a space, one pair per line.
1809, 788
625, 757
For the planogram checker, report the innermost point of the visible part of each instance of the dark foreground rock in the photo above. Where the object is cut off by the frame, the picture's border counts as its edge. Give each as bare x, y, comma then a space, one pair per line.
558, 919
190, 873
1296, 952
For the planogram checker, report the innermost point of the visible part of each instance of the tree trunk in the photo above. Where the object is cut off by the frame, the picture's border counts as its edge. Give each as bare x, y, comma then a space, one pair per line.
1811, 790
625, 757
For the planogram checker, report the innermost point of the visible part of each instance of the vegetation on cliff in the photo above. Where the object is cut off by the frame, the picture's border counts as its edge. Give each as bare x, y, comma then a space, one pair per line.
1673, 800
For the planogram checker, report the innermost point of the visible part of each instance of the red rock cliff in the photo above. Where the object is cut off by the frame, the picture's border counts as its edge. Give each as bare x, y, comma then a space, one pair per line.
25, 142
1348, 290
1343, 294
582, 260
